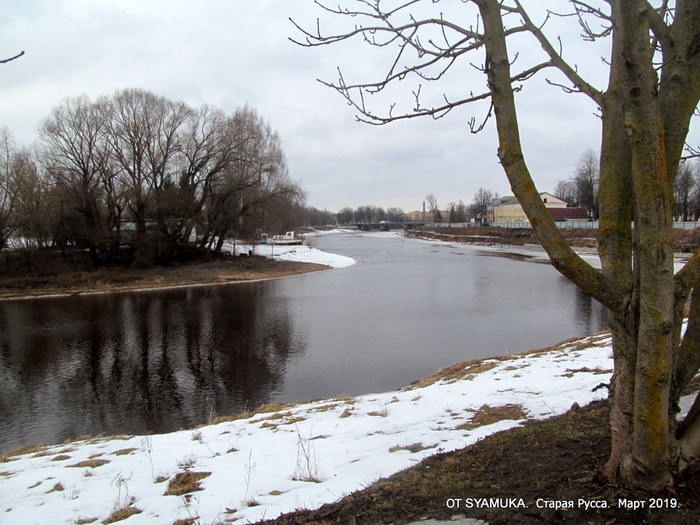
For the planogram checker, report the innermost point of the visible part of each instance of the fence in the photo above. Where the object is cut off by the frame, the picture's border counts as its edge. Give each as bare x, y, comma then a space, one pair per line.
581, 224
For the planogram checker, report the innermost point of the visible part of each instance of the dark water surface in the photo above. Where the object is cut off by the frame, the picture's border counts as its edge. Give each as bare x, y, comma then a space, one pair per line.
161, 361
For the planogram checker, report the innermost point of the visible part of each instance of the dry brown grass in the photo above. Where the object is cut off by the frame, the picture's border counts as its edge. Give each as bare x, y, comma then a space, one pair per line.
90, 463
570, 372
124, 451
185, 482
122, 514
56, 488
415, 447
466, 370
26, 449
487, 415
264, 409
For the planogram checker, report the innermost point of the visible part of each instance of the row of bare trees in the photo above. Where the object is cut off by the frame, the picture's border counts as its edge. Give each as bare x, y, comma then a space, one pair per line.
581, 189
139, 170
457, 212
369, 213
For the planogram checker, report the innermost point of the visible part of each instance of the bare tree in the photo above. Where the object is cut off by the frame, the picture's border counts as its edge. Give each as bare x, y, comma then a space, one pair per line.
566, 190
37, 208
346, 215
586, 182
645, 112
394, 214
433, 207
9, 186
75, 156
683, 188
482, 203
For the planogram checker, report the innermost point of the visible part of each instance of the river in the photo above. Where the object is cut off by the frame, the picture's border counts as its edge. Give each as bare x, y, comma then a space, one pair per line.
159, 361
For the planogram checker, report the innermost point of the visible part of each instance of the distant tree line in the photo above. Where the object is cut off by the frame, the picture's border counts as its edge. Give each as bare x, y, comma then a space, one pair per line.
370, 213
581, 190
138, 171
455, 212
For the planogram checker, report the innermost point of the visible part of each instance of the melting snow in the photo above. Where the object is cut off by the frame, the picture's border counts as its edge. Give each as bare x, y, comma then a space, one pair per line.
299, 456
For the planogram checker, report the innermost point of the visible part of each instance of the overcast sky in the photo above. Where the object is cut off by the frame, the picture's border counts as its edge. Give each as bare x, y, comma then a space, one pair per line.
227, 53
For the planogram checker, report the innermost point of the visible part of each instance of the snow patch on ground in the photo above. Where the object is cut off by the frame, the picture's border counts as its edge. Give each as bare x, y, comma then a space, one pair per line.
299, 253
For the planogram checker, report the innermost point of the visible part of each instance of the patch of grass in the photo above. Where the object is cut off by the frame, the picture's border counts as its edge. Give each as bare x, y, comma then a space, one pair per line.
263, 409
56, 488
124, 451
186, 521
326, 407
415, 447
90, 463
61, 457
466, 370
122, 514
570, 372
21, 451
84, 521
487, 415
187, 463
185, 482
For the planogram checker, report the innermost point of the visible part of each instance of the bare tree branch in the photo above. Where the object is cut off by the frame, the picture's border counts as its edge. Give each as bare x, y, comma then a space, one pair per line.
580, 85
6, 60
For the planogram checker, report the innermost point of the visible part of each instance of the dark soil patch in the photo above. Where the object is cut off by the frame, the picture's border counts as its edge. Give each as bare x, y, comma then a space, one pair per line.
524, 473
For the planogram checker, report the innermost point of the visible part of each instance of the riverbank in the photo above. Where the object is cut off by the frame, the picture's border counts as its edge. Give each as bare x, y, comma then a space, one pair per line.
268, 262
685, 241
281, 458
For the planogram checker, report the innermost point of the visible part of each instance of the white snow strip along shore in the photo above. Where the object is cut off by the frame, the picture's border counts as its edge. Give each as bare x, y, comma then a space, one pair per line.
298, 253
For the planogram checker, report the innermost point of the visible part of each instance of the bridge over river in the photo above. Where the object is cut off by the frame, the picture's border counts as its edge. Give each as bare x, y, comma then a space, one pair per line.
385, 226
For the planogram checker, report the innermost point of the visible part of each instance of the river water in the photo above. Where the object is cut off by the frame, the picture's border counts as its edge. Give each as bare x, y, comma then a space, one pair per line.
164, 360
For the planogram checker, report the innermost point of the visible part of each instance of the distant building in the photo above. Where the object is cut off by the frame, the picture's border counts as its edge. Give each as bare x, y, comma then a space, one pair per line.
508, 209
569, 214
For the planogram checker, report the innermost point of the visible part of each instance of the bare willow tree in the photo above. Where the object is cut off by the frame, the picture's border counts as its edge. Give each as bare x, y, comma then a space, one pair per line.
651, 96
9, 187
586, 179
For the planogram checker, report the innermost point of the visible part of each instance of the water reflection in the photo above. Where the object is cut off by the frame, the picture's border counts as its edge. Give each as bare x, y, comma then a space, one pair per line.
159, 361
136, 363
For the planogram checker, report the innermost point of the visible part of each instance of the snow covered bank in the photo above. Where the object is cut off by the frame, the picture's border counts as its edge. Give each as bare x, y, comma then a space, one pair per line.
301, 253
301, 456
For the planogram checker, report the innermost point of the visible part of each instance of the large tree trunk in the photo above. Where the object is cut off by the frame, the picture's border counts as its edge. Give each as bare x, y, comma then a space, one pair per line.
636, 282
